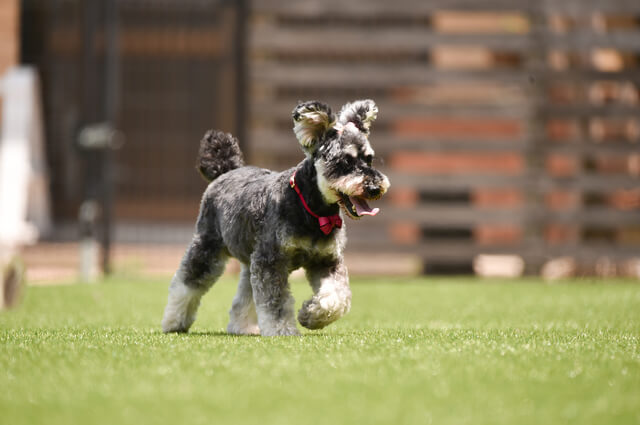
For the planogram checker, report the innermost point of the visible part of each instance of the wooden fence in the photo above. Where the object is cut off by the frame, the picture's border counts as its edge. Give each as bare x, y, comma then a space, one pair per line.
178, 75
506, 127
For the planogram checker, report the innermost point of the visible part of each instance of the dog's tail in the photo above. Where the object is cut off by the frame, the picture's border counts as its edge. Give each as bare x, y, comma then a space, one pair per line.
219, 153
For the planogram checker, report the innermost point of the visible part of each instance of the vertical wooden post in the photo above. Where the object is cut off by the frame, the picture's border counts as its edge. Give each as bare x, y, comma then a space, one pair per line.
534, 153
100, 105
240, 62
111, 99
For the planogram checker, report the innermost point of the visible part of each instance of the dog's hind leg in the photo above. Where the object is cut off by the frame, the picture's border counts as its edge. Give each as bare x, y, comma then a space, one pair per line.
331, 299
243, 319
201, 266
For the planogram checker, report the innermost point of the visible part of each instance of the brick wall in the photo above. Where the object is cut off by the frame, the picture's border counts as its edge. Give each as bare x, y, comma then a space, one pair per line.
497, 139
9, 34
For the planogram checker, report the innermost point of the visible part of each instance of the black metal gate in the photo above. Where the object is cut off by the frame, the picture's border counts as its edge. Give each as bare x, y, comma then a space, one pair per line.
177, 70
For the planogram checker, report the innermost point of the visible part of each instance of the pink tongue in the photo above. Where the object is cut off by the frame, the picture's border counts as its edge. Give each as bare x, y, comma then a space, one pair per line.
362, 208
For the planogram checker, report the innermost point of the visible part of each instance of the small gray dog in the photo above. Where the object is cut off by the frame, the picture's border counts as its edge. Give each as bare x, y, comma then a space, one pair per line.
274, 223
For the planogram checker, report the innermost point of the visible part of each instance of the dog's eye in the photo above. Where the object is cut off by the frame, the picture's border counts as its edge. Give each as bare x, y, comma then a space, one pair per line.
348, 161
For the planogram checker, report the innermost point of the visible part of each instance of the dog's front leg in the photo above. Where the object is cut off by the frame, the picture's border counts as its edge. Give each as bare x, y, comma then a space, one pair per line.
331, 299
272, 297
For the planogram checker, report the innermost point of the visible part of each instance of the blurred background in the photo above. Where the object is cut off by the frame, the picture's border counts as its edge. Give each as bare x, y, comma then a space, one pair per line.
510, 130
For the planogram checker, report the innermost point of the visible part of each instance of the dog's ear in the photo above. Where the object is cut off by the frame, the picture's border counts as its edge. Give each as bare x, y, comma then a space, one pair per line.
311, 121
361, 112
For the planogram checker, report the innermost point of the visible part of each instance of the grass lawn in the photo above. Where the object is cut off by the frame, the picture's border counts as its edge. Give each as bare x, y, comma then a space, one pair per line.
422, 351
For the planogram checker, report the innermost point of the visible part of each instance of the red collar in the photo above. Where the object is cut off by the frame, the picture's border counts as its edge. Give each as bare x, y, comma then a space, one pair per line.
326, 223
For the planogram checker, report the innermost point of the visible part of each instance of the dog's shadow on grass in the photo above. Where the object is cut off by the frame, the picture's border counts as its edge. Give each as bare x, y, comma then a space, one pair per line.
222, 334
218, 334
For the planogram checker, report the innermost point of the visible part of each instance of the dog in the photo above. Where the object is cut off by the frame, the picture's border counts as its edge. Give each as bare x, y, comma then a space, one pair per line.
276, 222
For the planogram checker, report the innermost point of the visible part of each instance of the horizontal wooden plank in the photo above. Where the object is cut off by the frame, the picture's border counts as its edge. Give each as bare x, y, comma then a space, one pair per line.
426, 144
442, 216
470, 97
373, 8
435, 182
600, 216
389, 110
506, 164
610, 148
582, 252
388, 76
577, 8
164, 42
592, 251
367, 76
366, 236
590, 183
384, 7
271, 38
584, 75
606, 111
459, 128
628, 41
273, 142
441, 250
451, 251
447, 216
182, 6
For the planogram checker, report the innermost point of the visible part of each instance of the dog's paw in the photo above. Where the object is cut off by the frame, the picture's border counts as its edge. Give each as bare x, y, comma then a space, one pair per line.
177, 320
243, 329
171, 325
312, 317
286, 330
321, 311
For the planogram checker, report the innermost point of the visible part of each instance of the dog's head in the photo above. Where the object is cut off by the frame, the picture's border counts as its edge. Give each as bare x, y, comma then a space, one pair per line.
341, 153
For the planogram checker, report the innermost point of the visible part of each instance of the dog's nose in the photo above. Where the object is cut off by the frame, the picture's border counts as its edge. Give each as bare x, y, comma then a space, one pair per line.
373, 191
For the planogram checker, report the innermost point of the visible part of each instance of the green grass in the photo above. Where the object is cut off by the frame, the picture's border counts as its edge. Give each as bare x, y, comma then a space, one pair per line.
430, 351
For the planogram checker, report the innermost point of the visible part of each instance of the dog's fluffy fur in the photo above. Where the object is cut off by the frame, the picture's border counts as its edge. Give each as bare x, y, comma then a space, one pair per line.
254, 215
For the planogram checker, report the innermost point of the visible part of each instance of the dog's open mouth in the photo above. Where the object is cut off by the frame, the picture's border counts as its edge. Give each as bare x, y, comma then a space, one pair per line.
356, 206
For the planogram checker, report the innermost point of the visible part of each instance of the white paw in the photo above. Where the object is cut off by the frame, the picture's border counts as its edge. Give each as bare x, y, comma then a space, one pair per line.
173, 323
322, 310
181, 309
